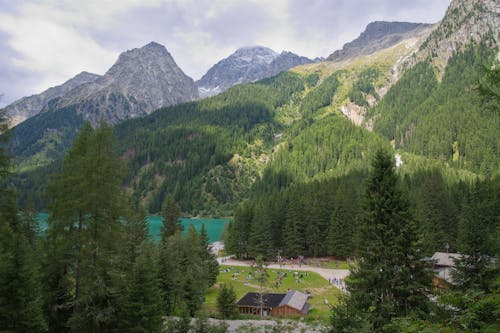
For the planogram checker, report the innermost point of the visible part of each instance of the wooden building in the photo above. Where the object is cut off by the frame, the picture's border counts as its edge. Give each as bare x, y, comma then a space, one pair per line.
443, 264
291, 303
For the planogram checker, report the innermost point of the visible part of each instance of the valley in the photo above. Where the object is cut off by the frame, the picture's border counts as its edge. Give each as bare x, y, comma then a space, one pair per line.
369, 161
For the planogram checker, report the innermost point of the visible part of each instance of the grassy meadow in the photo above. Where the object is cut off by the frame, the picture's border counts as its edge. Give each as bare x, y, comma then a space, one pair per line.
241, 278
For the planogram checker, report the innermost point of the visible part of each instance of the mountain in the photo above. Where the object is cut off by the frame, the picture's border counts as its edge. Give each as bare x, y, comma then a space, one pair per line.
436, 109
377, 36
247, 64
141, 81
27, 107
465, 21
294, 128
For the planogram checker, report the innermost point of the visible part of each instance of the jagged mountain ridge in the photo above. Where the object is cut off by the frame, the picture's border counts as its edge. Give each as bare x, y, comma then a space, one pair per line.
141, 81
27, 107
465, 21
247, 64
377, 36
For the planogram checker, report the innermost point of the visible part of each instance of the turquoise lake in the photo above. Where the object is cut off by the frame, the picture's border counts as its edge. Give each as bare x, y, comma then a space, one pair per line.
214, 227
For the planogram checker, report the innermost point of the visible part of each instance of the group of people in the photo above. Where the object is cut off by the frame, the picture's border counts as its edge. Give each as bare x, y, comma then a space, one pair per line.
338, 282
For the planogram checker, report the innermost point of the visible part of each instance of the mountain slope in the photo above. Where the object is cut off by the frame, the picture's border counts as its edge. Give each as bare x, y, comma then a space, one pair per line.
27, 107
292, 129
377, 36
465, 21
436, 109
141, 81
247, 64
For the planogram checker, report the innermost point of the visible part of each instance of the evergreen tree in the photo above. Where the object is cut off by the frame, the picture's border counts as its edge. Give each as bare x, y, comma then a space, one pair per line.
226, 302
135, 229
478, 238
194, 273
84, 224
170, 214
171, 274
140, 306
20, 294
389, 278
294, 229
340, 235
209, 259
260, 241
437, 214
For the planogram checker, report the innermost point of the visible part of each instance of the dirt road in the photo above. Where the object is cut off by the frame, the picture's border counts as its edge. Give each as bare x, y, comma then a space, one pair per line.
327, 273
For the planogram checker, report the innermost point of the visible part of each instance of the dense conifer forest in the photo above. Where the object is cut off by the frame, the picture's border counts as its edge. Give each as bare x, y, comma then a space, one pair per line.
298, 179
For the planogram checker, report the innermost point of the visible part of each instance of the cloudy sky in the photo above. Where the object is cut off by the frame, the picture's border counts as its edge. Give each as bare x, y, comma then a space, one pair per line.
43, 43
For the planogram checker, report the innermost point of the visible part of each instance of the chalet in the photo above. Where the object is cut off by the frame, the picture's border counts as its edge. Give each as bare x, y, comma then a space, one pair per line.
291, 303
443, 264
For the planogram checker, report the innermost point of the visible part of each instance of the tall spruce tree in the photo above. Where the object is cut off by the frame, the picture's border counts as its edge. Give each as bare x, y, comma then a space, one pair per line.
170, 214
20, 294
171, 273
83, 227
140, 306
226, 302
340, 234
389, 279
478, 237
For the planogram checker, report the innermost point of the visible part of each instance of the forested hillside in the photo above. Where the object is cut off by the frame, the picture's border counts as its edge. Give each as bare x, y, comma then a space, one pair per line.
444, 119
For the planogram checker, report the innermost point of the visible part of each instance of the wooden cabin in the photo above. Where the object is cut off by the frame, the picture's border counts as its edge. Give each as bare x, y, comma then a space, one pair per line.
291, 303
443, 264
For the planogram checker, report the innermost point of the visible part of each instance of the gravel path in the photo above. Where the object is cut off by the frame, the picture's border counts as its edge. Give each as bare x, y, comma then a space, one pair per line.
327, 273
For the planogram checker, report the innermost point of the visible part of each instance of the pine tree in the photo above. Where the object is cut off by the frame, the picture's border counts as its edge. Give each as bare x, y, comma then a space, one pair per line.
340, 235
260, 240
194, 271
84, 224
294, 228
140, 306
436, 212
209, 260
20, 294
170, 214
477, 238
226, 302
171, 273
389, 278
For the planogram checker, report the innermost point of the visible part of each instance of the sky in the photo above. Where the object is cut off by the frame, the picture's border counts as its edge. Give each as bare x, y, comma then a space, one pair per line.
46, 42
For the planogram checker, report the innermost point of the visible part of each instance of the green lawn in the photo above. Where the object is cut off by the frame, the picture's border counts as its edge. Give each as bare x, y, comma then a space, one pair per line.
318, 286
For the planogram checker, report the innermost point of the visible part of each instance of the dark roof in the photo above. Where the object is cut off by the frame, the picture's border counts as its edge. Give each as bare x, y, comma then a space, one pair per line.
270, 300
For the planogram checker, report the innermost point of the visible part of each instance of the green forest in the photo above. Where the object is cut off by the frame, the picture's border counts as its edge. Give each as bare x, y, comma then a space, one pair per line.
95, 269
297, 177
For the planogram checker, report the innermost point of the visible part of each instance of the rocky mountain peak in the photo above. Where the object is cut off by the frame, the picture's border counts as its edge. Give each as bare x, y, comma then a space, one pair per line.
246, 64
377, 36
139, 82
28, 107
259, 54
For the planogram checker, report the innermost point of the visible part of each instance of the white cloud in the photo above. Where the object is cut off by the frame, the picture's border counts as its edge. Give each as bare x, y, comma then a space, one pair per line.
55, 40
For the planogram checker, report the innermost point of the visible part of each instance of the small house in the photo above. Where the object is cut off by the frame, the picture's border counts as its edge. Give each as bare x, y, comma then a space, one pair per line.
291, 303
443, 264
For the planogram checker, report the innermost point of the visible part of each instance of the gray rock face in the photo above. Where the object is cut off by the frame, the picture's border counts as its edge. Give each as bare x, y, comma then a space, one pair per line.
141, 81
247, 64
465, 21
28, 107
377, 36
